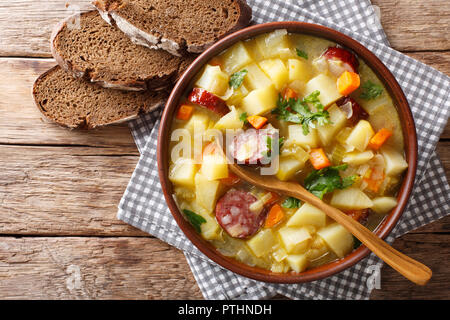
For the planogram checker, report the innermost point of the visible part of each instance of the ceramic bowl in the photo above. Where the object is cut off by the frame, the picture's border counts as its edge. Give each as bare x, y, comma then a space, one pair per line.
409, 134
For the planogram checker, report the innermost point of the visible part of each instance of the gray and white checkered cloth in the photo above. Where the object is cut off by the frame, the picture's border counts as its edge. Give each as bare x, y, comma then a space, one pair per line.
427, 91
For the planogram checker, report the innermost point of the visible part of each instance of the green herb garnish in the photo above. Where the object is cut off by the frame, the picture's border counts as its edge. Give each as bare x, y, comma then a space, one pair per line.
298, 111
243, 117
323, 181
291, 203
237, 79
195, 219
370, 90
302, 53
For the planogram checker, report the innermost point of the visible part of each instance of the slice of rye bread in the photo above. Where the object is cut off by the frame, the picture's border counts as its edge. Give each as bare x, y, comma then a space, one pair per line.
76, 103
176, 26
88, 47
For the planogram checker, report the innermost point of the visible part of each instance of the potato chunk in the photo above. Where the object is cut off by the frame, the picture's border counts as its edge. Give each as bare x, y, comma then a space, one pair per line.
394, 160
296, 136
256, 78
198, 123
275, 44
337, 238
297, 262
210, 230
327, 87
260, 101
214, 166
295, 240
262, 243
350, 199
206, 192
288, 167
338, 120
298, 70
307, 215
276, 71
183, 171
360, 135
235, 58
383, 205
230, 121
358, 158
213, 80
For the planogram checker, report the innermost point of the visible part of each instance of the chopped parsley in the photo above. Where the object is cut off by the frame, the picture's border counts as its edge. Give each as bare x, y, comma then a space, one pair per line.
370, 90
323, 181
243, 117
298, 111
291, 203
302, 53
237, 78
195, 219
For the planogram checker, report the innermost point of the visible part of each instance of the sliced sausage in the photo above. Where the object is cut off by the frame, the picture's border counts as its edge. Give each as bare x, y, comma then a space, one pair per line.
208, 100
340, 60
234, 215
352, 109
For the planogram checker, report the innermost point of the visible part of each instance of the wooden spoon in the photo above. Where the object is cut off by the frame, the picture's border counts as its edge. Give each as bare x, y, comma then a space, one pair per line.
409, 268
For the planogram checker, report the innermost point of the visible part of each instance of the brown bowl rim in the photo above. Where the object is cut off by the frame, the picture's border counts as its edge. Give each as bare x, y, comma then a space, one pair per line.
408, 128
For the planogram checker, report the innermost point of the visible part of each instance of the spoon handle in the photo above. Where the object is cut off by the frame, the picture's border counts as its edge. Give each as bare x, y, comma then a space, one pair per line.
408, 267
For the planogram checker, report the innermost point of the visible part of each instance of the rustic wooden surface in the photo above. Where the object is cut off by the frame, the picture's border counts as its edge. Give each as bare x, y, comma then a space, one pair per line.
59, 189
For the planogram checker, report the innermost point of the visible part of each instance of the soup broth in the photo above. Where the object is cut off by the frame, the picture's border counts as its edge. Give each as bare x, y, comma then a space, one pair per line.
317, 110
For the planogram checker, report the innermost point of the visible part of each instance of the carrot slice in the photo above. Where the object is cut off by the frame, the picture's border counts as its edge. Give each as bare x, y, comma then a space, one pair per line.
318, 159
231, 180
290, 93
379, 138
257, 121
275, 215
185, 112
348, 82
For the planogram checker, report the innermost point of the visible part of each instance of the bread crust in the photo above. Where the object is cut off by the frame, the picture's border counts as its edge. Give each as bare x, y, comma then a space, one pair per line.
110, 12
85, 124
154, 83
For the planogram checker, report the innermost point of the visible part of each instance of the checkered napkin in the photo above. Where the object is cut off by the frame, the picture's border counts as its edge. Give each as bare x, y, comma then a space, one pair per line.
427, 91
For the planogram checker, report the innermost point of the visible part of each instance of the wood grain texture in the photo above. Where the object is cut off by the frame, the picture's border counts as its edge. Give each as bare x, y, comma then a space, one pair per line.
418, 246
26, 25
146, 268
446, 133
443, 150
64, 191
93, 268
413, 25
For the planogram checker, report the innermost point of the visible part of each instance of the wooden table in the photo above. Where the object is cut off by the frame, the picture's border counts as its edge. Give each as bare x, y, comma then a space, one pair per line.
59, 189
